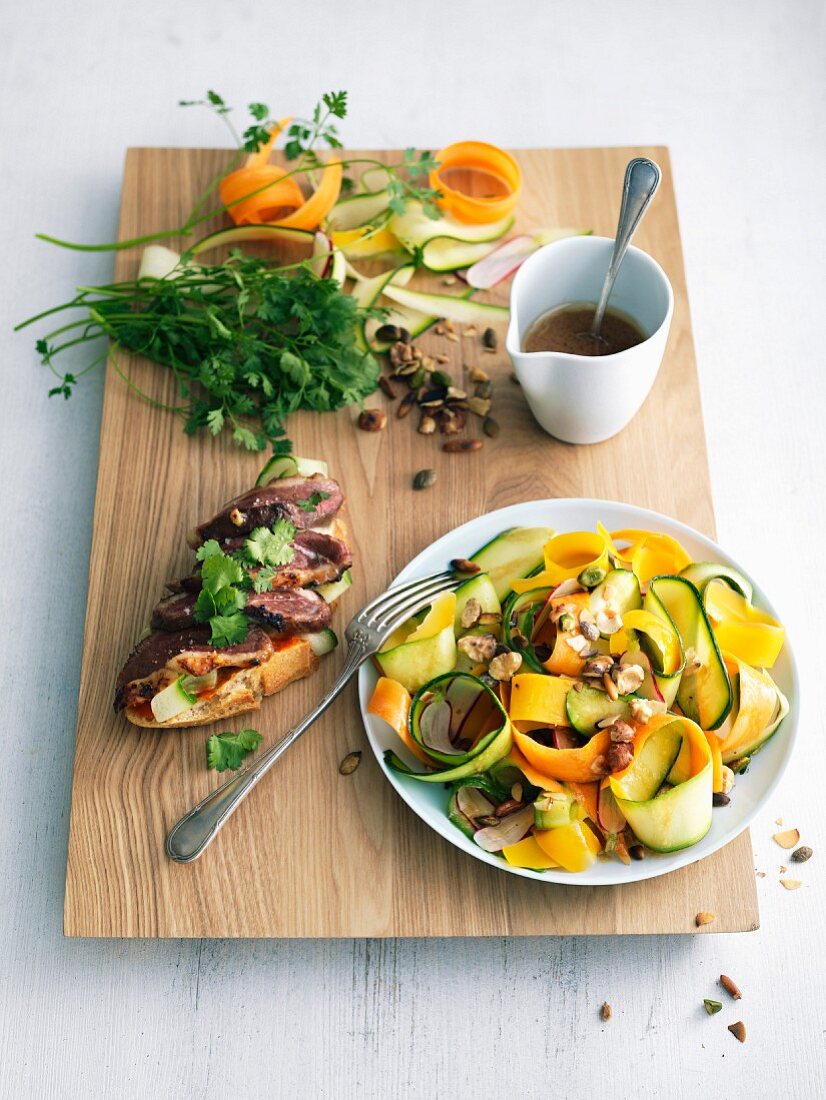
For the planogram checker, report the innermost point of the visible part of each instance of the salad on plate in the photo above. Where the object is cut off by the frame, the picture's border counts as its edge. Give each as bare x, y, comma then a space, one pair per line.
583, 695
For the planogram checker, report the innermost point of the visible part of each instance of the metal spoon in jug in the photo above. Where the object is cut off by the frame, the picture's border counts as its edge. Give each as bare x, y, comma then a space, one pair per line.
642, 178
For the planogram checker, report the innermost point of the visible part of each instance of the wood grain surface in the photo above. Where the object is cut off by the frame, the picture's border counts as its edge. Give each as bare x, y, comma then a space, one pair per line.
312, 853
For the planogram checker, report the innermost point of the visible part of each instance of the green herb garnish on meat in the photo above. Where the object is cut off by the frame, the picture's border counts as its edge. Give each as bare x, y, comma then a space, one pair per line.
271, 545
312, 501
222, 598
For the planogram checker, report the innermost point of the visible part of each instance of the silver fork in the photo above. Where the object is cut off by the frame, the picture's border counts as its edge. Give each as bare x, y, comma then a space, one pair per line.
365, 634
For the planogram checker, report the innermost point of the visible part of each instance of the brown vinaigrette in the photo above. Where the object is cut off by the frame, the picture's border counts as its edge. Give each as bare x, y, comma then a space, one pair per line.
565, 329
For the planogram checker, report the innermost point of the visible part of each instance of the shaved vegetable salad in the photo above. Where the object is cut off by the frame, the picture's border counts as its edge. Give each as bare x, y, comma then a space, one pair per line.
583, 694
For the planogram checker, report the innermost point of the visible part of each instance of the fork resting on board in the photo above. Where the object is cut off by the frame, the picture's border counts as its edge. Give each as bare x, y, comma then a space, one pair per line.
365, 634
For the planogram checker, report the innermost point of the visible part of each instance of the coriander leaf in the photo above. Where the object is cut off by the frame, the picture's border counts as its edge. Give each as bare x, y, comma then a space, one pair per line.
229, 629
226, 751
204, 608
230, 599
312, 501
220, 571
262, 581
259, 111
208, 549
272, 546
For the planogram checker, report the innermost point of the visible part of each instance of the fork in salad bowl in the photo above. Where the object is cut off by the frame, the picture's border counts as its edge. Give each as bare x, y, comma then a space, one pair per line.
365, 634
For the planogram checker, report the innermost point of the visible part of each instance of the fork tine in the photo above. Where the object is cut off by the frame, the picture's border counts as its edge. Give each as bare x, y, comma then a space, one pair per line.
399, 610
379, 603
394, 598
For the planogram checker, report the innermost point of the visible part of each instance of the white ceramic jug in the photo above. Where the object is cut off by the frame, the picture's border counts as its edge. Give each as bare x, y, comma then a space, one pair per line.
588, 398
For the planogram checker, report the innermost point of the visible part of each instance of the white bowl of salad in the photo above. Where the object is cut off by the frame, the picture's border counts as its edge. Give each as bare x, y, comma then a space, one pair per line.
606, 697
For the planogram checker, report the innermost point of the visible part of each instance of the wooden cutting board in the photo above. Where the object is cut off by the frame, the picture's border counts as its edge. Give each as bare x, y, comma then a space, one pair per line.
313, 853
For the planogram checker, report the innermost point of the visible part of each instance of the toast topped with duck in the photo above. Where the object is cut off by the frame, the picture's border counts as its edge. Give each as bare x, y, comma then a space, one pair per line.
254, 612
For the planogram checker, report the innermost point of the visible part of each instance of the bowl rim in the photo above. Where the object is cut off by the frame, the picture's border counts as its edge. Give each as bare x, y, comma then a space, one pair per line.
618, 874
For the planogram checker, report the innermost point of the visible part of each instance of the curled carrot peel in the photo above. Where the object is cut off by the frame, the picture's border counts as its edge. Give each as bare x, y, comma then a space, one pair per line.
255, 195
259, 192
321, 202
587, 795
532, 774
390, 701
567, 765
262, 155
477, 156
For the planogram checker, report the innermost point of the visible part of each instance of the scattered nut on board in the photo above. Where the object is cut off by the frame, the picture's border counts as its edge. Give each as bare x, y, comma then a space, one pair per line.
350, 762
801, 854
738, 1030
704, 917
712, 1007
730, 987
606, 1012
790, 883
789, 838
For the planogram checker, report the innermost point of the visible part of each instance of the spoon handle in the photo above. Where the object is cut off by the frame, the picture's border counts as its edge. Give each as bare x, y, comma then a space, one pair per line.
642, 178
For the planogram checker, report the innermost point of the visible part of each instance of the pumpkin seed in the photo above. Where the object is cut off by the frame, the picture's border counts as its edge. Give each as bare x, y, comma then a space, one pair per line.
350, 762
424, 479
441, 378
389, 334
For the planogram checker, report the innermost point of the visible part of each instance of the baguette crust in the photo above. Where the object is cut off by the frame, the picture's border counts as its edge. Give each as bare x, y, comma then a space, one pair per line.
244, 689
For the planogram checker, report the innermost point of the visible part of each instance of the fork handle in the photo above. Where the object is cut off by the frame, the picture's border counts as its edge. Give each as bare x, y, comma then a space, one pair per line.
188, 839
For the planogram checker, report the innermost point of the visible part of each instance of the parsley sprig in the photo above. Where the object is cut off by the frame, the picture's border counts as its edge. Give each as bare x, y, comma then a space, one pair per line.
227, 751
403, 187
248, 344
305, 134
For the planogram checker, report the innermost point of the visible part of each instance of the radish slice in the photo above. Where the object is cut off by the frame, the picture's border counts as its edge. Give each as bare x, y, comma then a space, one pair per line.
435, 724
509, 257
473, 803
608, 812
322, 259
158, 262
502, 262
511, 829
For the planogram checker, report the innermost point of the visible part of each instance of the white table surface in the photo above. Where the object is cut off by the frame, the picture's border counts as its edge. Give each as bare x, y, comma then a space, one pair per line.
737, 90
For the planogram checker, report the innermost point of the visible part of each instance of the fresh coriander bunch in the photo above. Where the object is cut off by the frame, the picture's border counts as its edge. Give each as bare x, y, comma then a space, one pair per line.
248, 344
